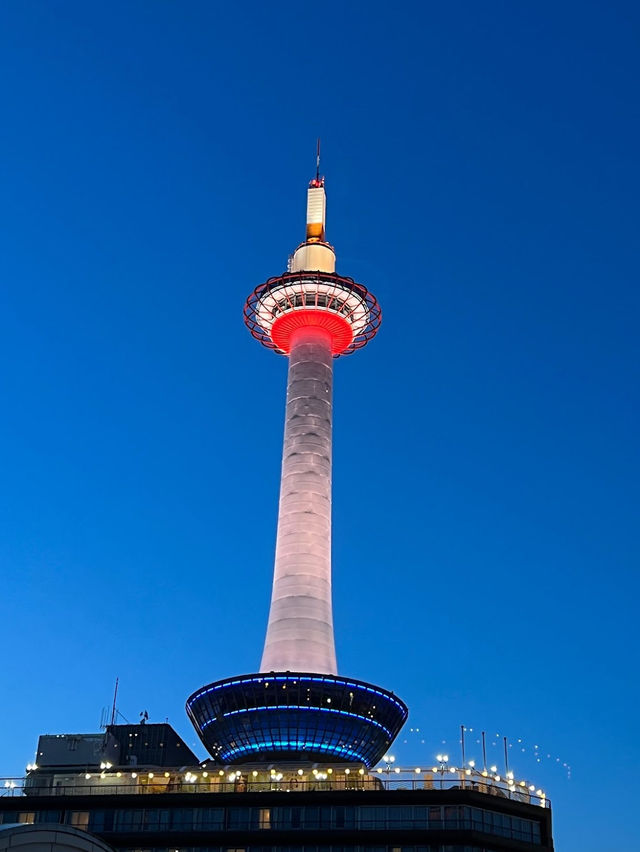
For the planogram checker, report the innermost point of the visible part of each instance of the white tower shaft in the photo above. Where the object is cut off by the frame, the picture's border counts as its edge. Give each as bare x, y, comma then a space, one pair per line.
300, 629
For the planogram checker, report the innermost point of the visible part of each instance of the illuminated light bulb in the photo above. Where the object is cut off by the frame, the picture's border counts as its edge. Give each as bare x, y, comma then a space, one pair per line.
346, 772
231, 777
445, 757
417, 770
118, 774
439, 757
134, 774
102, 775
221, 773
522, 784
467, 772
102, 765
205, 774
300, 771
166, 774
497, 777
360, 771
510, 775
329, 771
385, 757
108, 765
254, 773
485, 774
397, 769
539, 792
472, 763
151, 775
434, 768
494, 768
379, 770
87, 776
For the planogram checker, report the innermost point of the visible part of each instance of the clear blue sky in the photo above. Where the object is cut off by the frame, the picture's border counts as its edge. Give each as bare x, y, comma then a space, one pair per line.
483, 181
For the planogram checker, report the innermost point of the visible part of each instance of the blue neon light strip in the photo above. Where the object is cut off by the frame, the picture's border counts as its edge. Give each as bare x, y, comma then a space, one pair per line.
268, 679
302, 707
295, 745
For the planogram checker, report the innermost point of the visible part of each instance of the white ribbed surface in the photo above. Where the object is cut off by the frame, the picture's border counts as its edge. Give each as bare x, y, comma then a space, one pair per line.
316, 206
300, 630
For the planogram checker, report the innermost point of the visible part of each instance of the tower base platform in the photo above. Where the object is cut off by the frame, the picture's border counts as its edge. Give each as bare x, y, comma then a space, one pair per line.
295, 716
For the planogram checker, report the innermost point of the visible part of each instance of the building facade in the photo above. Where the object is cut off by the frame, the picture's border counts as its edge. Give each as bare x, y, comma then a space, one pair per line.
290, 809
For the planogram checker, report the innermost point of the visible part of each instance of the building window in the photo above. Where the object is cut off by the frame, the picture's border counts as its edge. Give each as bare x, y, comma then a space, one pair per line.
79, 819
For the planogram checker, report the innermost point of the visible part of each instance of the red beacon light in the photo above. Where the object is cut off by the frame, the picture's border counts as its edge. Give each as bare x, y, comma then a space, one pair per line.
312, 294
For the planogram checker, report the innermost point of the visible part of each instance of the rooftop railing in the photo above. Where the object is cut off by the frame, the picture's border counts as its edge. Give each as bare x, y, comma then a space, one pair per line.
143, 781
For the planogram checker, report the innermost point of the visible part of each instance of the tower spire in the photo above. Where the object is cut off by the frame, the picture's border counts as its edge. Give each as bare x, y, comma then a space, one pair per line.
318, 161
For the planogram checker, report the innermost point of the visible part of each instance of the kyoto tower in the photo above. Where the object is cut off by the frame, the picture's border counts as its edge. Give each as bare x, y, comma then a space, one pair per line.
297, 707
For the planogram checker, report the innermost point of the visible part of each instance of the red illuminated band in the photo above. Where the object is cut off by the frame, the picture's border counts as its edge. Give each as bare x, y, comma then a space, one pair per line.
338, 327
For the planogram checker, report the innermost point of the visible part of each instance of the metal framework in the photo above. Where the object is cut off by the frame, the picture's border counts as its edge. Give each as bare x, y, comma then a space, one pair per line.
326, 294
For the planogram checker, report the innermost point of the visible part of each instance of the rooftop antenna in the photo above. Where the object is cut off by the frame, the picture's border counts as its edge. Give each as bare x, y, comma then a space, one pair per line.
318, 161
113, 707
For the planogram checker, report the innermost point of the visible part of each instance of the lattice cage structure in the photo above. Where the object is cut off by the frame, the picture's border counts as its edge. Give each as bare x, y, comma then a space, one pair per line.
346, 309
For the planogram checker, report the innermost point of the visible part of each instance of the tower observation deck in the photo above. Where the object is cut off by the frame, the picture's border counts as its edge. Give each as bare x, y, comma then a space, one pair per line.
297, 707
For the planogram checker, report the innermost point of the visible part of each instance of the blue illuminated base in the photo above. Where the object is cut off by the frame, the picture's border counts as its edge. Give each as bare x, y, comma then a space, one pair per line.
295, 716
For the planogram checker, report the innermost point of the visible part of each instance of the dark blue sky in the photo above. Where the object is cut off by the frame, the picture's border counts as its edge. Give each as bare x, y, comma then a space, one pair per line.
483, 181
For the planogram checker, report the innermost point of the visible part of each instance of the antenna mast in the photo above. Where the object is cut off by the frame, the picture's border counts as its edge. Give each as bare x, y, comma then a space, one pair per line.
318, 162
113, 708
